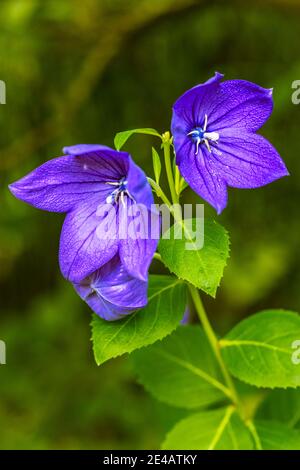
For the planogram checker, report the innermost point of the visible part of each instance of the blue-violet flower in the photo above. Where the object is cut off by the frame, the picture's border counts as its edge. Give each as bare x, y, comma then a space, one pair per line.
216, 146
86, 179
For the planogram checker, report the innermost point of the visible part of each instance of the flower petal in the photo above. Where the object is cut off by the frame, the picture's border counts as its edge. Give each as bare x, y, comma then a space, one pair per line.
138, 186
190, 108
232, 103
246, 160
111, 164
80, 149
88, 239
111, 292
119, 288
239, 104
61, 183
139, 235
200, 174
99, 305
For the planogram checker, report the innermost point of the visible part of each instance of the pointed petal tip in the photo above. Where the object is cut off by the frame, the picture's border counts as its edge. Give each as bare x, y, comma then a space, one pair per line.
285, 173
13, 188
216, 78
220, 205
219, 208
219, 75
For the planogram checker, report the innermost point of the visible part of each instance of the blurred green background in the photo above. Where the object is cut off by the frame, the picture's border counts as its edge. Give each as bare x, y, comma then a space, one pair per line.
78, 72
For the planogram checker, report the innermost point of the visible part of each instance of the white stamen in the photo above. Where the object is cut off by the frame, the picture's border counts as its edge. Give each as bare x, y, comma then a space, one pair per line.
192, 132
197, 145
122, 198
205, 123
207, 145
130, 197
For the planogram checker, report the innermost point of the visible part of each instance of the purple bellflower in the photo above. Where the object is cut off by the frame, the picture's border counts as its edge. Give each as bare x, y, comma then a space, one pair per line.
86, 179
111, 292
213, 127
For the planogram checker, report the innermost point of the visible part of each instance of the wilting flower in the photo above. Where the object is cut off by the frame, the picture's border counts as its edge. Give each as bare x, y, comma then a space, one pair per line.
216, 146
85, 183
111, 292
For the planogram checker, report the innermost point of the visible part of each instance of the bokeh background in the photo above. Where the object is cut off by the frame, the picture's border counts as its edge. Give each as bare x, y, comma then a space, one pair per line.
78, 72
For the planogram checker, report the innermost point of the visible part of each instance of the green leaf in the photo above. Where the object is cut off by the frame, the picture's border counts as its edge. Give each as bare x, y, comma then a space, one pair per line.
277, 436
220, 429
185, 256
122, 137
259, 349
181, 370
167, 301
282, 406
156, 165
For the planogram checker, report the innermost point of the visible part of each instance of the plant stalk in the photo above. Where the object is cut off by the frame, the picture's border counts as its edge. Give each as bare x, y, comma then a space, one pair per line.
212, 340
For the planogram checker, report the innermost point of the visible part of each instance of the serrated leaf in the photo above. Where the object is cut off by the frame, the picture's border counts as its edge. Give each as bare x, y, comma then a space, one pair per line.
122, 137
220, 429
167, 301
202, 266
282, 406
156, 165
259, 349
277, 436
181, 370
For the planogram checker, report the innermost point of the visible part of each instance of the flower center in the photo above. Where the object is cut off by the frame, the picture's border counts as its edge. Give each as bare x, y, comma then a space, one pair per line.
197, 133
119, 193
200, 135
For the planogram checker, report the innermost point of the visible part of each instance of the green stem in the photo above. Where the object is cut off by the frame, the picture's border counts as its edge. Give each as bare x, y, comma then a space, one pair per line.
166, 139
176, 211
250, 425
177, 181
167, 142
212, 340
159, 192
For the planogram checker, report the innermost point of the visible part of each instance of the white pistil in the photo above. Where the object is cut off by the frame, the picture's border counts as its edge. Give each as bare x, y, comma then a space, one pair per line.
213, 136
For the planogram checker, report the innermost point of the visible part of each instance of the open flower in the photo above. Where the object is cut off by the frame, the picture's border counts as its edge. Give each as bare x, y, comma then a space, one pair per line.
111, 292
84, 183
216, 146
